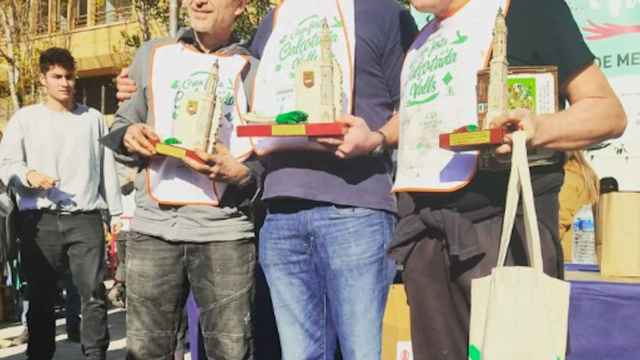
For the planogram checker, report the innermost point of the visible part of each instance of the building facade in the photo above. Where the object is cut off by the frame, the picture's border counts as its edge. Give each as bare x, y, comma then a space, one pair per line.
95, 31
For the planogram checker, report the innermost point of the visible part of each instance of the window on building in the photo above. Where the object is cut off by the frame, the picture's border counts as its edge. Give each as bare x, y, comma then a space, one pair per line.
62, 18
97, 92
81, 13
42, 16
110, 11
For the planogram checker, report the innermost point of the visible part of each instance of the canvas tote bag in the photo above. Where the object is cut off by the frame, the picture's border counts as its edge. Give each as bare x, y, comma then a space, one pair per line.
518, 312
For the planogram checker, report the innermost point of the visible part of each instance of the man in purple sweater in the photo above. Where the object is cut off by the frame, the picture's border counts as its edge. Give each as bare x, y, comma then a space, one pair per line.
330, 219
331, 215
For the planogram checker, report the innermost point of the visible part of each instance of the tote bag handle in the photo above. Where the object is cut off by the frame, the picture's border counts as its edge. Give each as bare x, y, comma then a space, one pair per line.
520, 180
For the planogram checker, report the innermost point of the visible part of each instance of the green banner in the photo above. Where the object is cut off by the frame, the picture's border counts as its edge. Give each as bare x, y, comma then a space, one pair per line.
611, 28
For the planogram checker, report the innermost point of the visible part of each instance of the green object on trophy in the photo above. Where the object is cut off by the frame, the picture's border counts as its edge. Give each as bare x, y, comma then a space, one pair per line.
172, 141
318, 95
292, 117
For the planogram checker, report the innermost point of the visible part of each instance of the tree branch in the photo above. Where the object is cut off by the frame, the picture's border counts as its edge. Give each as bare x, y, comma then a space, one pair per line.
4, 55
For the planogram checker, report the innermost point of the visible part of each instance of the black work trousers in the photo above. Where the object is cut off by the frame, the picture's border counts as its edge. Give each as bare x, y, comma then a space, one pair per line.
439, 287
49, 243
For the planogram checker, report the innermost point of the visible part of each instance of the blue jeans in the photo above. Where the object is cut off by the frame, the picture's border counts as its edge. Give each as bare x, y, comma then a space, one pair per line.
329, 275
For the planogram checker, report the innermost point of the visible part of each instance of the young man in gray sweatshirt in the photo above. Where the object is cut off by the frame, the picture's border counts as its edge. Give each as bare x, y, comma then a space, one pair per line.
178, 242
63, 179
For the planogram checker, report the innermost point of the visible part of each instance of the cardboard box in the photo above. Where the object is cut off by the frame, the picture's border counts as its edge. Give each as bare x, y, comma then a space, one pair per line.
618, 232
396, 326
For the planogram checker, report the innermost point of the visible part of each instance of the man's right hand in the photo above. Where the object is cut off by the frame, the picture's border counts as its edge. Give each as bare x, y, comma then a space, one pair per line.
126, 86
117, 295
40, 181
141, 139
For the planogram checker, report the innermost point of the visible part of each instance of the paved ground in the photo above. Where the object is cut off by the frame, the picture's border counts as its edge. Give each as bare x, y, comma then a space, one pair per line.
66, 350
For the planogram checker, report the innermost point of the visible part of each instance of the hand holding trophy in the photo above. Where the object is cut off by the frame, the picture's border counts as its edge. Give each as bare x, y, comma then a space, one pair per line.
480, 136
508, 100
318, 100
196, 128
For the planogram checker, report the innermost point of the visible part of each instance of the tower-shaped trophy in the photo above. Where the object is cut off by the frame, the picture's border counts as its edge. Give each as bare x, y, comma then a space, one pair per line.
211, 121
498, 93
526, 87
196, 122
501, 88
318, 99
499, 71
317, 91
327, 110
480, 137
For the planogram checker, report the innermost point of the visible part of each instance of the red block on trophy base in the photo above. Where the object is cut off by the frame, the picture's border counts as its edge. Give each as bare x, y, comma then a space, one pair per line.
177, 152
278, 130
471, 138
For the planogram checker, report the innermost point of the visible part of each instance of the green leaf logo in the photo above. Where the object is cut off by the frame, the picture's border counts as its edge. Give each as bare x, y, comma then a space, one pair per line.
474, 353
460, 38
447, 78
337, 23
422, 101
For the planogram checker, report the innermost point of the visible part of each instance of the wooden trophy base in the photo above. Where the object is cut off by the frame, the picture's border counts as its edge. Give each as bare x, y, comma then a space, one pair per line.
468, 139
177, 152
291, 130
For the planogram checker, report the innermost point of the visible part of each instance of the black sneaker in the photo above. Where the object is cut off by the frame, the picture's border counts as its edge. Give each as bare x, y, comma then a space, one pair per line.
73, 333
117, 295
97, 356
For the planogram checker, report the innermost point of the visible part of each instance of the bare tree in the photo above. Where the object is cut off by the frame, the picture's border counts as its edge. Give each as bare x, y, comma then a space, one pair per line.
247, 23
148, 11
173, 17
19, 53
143, 13
10, 54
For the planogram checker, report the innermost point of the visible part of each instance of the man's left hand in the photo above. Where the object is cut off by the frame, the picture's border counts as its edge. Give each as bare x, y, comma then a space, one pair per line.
116, 224
125, 85
519, 119
220, 166
357, 141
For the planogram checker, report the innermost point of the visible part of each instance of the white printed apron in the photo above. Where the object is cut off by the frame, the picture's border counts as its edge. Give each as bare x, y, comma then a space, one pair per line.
295, 39
177, 73
438, 95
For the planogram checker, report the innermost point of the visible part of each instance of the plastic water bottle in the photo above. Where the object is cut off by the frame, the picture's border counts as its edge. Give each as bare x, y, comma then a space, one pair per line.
584, 243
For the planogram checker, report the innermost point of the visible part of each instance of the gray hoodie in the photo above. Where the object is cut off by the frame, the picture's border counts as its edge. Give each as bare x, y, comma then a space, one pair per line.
188, 223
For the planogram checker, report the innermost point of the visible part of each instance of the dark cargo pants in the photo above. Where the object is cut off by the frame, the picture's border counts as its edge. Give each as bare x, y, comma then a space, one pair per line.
439, 288
159, 276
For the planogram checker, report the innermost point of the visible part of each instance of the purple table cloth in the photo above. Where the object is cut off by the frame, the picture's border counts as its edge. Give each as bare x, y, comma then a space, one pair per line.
604, 321
193, 315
